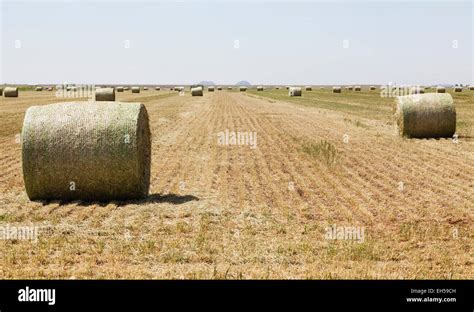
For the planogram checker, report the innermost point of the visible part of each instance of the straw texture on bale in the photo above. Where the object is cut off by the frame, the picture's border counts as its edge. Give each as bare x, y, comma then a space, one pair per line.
105, 94
10, 92
336, 89
457, 89
196, 91
308, 88
135, 89
210, 89
428, 115
295, 91
259, 88
440, 89
119, 89
86, 151
241, 88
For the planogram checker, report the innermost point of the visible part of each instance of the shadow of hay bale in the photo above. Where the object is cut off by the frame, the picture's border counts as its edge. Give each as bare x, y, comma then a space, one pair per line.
150, 199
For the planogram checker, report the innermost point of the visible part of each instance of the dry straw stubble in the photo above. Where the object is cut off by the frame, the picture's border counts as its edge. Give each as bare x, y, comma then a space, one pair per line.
86, 151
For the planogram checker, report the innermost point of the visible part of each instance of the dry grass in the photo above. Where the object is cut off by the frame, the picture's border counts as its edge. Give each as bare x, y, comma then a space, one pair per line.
236, 212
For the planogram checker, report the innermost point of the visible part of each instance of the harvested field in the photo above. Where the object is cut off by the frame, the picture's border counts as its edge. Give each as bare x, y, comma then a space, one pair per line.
233, 211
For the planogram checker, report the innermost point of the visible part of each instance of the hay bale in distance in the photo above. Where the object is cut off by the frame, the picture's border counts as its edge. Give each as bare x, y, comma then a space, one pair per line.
308, 88
157, 88
39, 89
428, 115
196, 91
357, 88
10, 92
219, 88
112, 160
295, 91
457, 89
119, 89
210, 89
350, 88
440, 89
135, 89
417, 90
471, 88
126, 88
372, 88
1, 91
242, 88
259, 88
229, 88
145, 88
105, 94
336, 89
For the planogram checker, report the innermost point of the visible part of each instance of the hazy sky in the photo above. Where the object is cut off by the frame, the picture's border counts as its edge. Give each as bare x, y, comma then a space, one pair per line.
281, 42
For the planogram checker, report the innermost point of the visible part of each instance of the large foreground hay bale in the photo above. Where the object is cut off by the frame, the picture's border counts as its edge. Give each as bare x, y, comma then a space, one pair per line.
295, 91
105, 94
440, 89
10, 92
429, 115
196, 91
336, 89
87, 151
135, 89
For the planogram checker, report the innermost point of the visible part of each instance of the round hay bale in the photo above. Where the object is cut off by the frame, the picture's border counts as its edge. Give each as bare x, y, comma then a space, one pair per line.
471, 88
428, 115
357, 88
336, 89
242, 88
417, 90
39, 89
126, 88
219, 88
308, 88
135, 89
229, 88
157, 88
196, 91
295, 91
457, 89
278, 88
259, 88
1, 91
440, 89
10, 92
210, 89
145, 88
350, 88
86, 151
372, 88
105, 94
119, 89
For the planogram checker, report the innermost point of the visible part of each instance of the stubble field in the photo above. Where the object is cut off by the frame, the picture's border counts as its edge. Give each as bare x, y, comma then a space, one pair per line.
232, 211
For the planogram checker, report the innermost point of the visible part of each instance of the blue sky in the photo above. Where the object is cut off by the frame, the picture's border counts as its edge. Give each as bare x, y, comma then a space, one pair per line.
283, 42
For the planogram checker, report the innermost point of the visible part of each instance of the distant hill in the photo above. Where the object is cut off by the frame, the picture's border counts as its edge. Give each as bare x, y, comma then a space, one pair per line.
207, 83
243, 83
